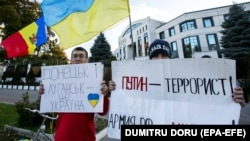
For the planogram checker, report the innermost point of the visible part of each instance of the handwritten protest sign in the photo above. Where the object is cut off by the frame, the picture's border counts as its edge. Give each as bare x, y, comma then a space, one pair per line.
72, 88
171, 92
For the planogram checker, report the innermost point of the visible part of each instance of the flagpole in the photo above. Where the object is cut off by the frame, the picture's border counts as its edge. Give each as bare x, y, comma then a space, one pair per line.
131, 32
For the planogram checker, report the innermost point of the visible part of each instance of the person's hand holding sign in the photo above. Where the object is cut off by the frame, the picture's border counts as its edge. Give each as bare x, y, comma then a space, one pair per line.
238, 96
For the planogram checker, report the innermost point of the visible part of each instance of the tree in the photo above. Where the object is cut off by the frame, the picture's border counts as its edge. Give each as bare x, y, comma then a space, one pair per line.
52, 54
16, 14
235, 42
101, 51
236, 33
3, 56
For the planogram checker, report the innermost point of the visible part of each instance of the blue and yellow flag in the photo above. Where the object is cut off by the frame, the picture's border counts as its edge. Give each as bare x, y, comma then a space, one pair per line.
78, 21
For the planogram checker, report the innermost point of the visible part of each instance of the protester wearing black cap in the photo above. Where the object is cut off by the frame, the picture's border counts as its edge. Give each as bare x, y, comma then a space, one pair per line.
160, 49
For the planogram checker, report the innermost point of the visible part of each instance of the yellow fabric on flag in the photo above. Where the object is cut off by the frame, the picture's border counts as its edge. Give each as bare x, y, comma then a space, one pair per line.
80, 27
29, 35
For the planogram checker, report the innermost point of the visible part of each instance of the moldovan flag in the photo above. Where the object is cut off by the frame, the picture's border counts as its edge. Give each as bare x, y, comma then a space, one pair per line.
78, 21
24, 41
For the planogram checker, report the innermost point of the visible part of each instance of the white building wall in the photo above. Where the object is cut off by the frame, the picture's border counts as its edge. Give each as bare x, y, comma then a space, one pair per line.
217, 15
154, 31
147, 28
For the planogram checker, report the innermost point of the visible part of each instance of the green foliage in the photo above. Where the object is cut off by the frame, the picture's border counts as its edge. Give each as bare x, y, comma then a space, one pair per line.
3, 56
235, 39
236, 31
17, 14
52, 54
7, 114
11, 19
27, 118
236, 44
101, 51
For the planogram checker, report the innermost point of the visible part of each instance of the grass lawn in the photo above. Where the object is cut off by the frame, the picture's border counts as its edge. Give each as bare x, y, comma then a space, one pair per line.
8, 115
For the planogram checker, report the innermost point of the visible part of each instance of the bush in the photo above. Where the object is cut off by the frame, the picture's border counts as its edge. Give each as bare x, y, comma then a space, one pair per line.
27, 118
31, 120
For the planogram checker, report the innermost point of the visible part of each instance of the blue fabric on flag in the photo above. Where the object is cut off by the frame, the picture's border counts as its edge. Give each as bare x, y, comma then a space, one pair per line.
41, 35
56, 10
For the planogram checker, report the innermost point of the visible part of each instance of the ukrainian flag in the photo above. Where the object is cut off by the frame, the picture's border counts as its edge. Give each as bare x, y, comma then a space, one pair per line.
78, 21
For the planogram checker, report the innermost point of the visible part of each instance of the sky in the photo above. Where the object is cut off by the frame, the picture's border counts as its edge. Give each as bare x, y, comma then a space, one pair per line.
162, 10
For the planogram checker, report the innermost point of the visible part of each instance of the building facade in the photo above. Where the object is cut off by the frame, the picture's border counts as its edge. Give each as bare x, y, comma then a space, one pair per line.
143, 32
191, 35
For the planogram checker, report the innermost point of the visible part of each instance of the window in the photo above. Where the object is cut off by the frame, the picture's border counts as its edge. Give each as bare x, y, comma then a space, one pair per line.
174, 49
139, 46
162, 35
212, 42
117, 56
146, 46
124, 52
188, 25
208, 22
190, 45
120, 54
171, 31
133, 27
226, 17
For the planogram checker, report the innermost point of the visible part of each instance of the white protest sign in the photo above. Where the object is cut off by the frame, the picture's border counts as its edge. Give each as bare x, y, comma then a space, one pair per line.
172, 92
72, 88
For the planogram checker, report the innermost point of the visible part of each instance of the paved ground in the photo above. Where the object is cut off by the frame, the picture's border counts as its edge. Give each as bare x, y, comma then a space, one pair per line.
11, 96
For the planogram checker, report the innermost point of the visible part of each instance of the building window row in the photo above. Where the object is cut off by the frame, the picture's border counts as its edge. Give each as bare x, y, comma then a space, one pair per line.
191, 44
142, 30
188, 25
